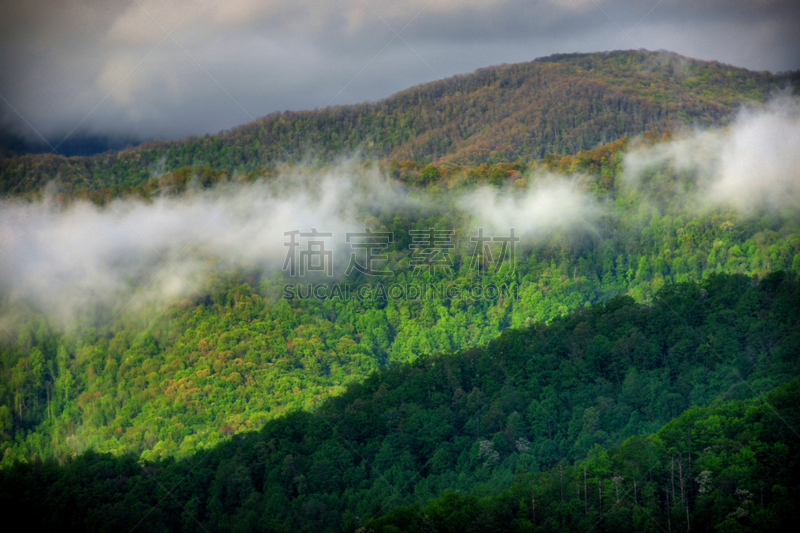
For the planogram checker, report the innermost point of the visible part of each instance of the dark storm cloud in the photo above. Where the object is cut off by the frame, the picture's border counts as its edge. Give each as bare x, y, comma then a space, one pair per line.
110, 67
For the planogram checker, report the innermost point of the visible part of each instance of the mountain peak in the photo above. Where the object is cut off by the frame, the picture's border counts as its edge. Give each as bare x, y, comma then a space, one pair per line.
562, 103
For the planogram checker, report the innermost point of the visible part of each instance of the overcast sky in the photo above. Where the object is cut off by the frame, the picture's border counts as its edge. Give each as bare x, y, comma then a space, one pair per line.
163, 69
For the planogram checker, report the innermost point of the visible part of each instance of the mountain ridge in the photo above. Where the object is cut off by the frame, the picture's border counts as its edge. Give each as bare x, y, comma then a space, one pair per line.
499, 113
659, 305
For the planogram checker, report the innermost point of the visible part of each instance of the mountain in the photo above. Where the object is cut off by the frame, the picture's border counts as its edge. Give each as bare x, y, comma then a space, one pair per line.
237, 350
558, 104
538, 404
78, 144
160, 371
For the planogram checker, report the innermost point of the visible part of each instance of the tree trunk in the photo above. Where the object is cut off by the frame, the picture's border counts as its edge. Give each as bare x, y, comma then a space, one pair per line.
683, 496
672, 481
585, 492
669, 521
600, 495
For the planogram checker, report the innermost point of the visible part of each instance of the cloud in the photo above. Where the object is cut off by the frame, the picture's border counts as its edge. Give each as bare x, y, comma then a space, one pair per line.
550, 204
759, 159
67, 261
752, 165
108, 66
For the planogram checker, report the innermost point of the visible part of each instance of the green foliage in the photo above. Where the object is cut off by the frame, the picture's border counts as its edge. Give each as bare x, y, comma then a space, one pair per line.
725, 467
161, 384
531, 408
358, 417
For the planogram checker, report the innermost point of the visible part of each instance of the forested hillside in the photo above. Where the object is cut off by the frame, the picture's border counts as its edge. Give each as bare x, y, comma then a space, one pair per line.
171, 382
609, 338
520, 414
726, 467
559, 104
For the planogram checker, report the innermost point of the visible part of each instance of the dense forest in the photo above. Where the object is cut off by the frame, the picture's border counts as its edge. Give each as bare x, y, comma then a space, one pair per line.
726, 467
546, 419
559, 104
634, 369
168, 382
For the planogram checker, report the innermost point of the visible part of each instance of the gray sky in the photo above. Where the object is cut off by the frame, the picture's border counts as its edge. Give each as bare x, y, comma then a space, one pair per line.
162, 69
